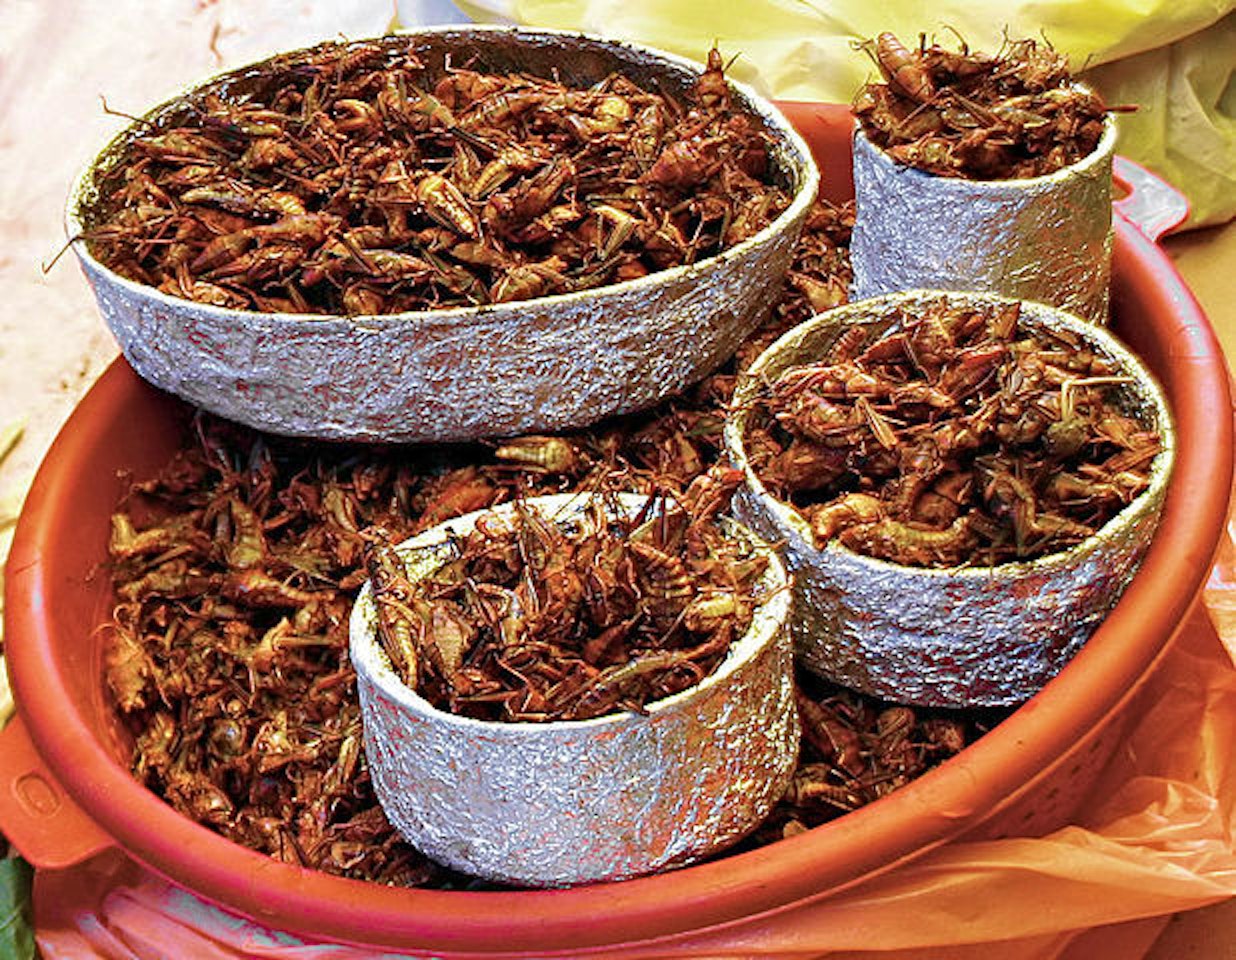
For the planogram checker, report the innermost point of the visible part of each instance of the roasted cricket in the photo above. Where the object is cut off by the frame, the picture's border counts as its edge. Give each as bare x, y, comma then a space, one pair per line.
957, 436
961, 113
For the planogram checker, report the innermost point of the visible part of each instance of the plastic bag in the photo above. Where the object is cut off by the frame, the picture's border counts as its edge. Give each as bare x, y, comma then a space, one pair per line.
1173, 59
1185, 125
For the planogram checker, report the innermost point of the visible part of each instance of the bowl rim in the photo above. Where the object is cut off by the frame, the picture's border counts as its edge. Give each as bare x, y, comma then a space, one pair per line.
769, 617
796, 155
968, 790
1145, 386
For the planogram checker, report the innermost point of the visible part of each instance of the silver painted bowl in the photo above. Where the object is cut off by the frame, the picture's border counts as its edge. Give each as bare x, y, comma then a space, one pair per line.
547, 364
981, 635
570, 802
1045, 238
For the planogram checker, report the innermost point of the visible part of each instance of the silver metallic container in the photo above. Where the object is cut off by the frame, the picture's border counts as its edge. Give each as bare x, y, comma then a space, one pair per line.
547, 364
569, 802
958, 637
1043, 238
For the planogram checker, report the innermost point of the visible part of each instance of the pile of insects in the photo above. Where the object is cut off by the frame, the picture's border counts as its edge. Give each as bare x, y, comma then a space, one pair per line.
959, 113
856, 749
236, 565
359, 179
957, 435
818, 279
532, 618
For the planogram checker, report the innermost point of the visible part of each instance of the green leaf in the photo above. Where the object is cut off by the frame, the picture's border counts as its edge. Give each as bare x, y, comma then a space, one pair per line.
16, 925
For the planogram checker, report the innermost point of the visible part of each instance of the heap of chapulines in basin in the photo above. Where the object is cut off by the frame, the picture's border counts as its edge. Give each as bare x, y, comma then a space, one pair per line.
235, 570
962, 436
1014, 114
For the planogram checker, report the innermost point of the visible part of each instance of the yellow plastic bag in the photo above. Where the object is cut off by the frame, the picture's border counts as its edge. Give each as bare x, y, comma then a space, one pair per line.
1174, 58
1185, 125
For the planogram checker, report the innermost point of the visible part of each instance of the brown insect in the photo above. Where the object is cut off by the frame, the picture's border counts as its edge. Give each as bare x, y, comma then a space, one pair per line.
955, 437
903, 69
963, 113
357, 190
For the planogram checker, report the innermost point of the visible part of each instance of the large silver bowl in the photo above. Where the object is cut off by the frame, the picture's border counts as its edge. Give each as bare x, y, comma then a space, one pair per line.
551, 363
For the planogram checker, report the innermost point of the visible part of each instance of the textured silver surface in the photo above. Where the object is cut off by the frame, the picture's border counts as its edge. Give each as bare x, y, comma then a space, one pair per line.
965, 637
547, 364
1046, 238
554, 804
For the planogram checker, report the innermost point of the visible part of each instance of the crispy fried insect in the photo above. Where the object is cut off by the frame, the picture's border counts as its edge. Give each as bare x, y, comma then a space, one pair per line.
903, 69
853, 509
552, 455
384, 184
126, 667
402, 615
1014, 114
953, 437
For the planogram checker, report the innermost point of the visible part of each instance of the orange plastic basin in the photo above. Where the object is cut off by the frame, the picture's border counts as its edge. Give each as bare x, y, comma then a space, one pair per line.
68, 794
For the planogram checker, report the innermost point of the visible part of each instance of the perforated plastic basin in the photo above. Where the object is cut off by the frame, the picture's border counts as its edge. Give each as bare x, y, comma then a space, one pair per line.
67, 792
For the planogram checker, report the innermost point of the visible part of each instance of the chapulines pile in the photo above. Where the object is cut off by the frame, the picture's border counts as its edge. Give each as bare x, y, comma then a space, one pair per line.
236, 565
856, 749
818, 279
1012, 115
535, 620
357, 179
959, 437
